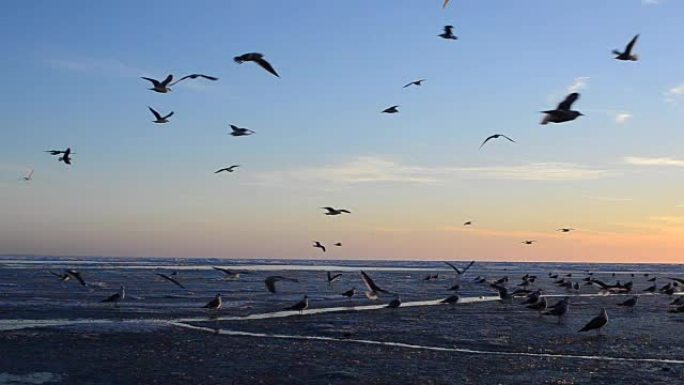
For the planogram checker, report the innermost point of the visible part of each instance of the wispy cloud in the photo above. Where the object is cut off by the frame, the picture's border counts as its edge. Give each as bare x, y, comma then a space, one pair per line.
578, 84
662, 161
675, 94
369, 169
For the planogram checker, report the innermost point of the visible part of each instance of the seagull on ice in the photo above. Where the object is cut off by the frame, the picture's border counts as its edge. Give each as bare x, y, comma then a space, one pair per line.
563, 112
597, 322
349, 293
627, 55
395, 303
258, 59
559, 309
158, 117
451, 300
215, 303
160, 86
299, 306
630, 302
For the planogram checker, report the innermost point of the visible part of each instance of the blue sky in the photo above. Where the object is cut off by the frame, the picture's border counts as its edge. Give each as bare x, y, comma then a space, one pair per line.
72, 78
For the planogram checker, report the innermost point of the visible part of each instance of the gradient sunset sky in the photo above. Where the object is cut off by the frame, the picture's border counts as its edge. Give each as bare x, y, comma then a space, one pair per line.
71, 77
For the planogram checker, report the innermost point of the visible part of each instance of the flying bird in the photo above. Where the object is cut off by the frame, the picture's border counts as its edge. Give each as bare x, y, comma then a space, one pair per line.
62, 277
215, 303
496, 136
563, 112
318, 245
627, 55
229, 273
467, 223
299, 306
55, 152
338, 244
66, 155
194, 76
171, 279
565, 230
460, 271
271, 281
77, 276
158, 117
597, 322
239, 131
161, 87
258, 59
332, 278
448, 33
528, 242
391, 110
116, 297
29, 176
334, 211
373, 289
227, 169
415, 83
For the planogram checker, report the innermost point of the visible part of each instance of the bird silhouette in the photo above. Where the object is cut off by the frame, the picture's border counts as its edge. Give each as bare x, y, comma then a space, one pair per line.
227, 169
239, 131
627, 55
158, 117
160, 86
448, 33
215, 303
333, 211
318, 245
391, 110
597, 323
563, 112
415, 83
299, 306
373, 289
496, 136
258, 59
194, 76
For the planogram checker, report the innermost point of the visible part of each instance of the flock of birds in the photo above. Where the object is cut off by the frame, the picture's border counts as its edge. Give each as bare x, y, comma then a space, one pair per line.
531, 295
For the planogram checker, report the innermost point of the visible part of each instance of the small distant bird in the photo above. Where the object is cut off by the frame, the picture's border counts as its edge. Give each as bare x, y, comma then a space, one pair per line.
116, 297
215, 303
431, 277
597, 322
171, 279
338, 244
227, 169
77, 276
55, 152
454, 287
334, 211
395, 303
270, 282
66, 156
630, 302
565, 230
460, 271
318, 245
528, 242
229, 273
496, 136
391, 110
158, 117
161, 87
559, 309
349, 293
451, 300
576, 286
373, 289
563, 112
332, 278
415, 83
258, 59
29, 176
194, 76
468, 223
448, 33
627, 55
299, 306
239, 131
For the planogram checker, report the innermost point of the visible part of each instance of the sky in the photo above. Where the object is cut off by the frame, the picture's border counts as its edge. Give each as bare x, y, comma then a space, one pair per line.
71, 78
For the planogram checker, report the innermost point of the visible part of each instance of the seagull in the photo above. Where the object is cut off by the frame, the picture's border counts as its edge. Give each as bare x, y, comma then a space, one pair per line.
652, 279
77, 276
532, 298
161, 87
563, 112
227, 169
239, 131
270, 281
299, 306
559, 309
257, 58
678, 301
228, 273
116, 297
332, 278
415, 83
194, 76
55, 152
627, 55
62, 277
395, 303
565, 230
448, 33
630, 302
349, 293
373, 289
468, 223
539, 306
215, 303
651, 289
460, 271
334, 211
66, 156
27, 177
318, 245
496, 136
454, 287
451, 300
391, 110
159, 118
503, 293
528, 242
172, 280
338, 244
597, 322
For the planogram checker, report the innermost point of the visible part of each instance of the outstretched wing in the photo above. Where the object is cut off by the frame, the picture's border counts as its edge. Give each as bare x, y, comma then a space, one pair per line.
166, 81
169, 115
630, 45
566, 104
267, 66
511, 140
487, 140
154, 81
370, 284
155, 113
